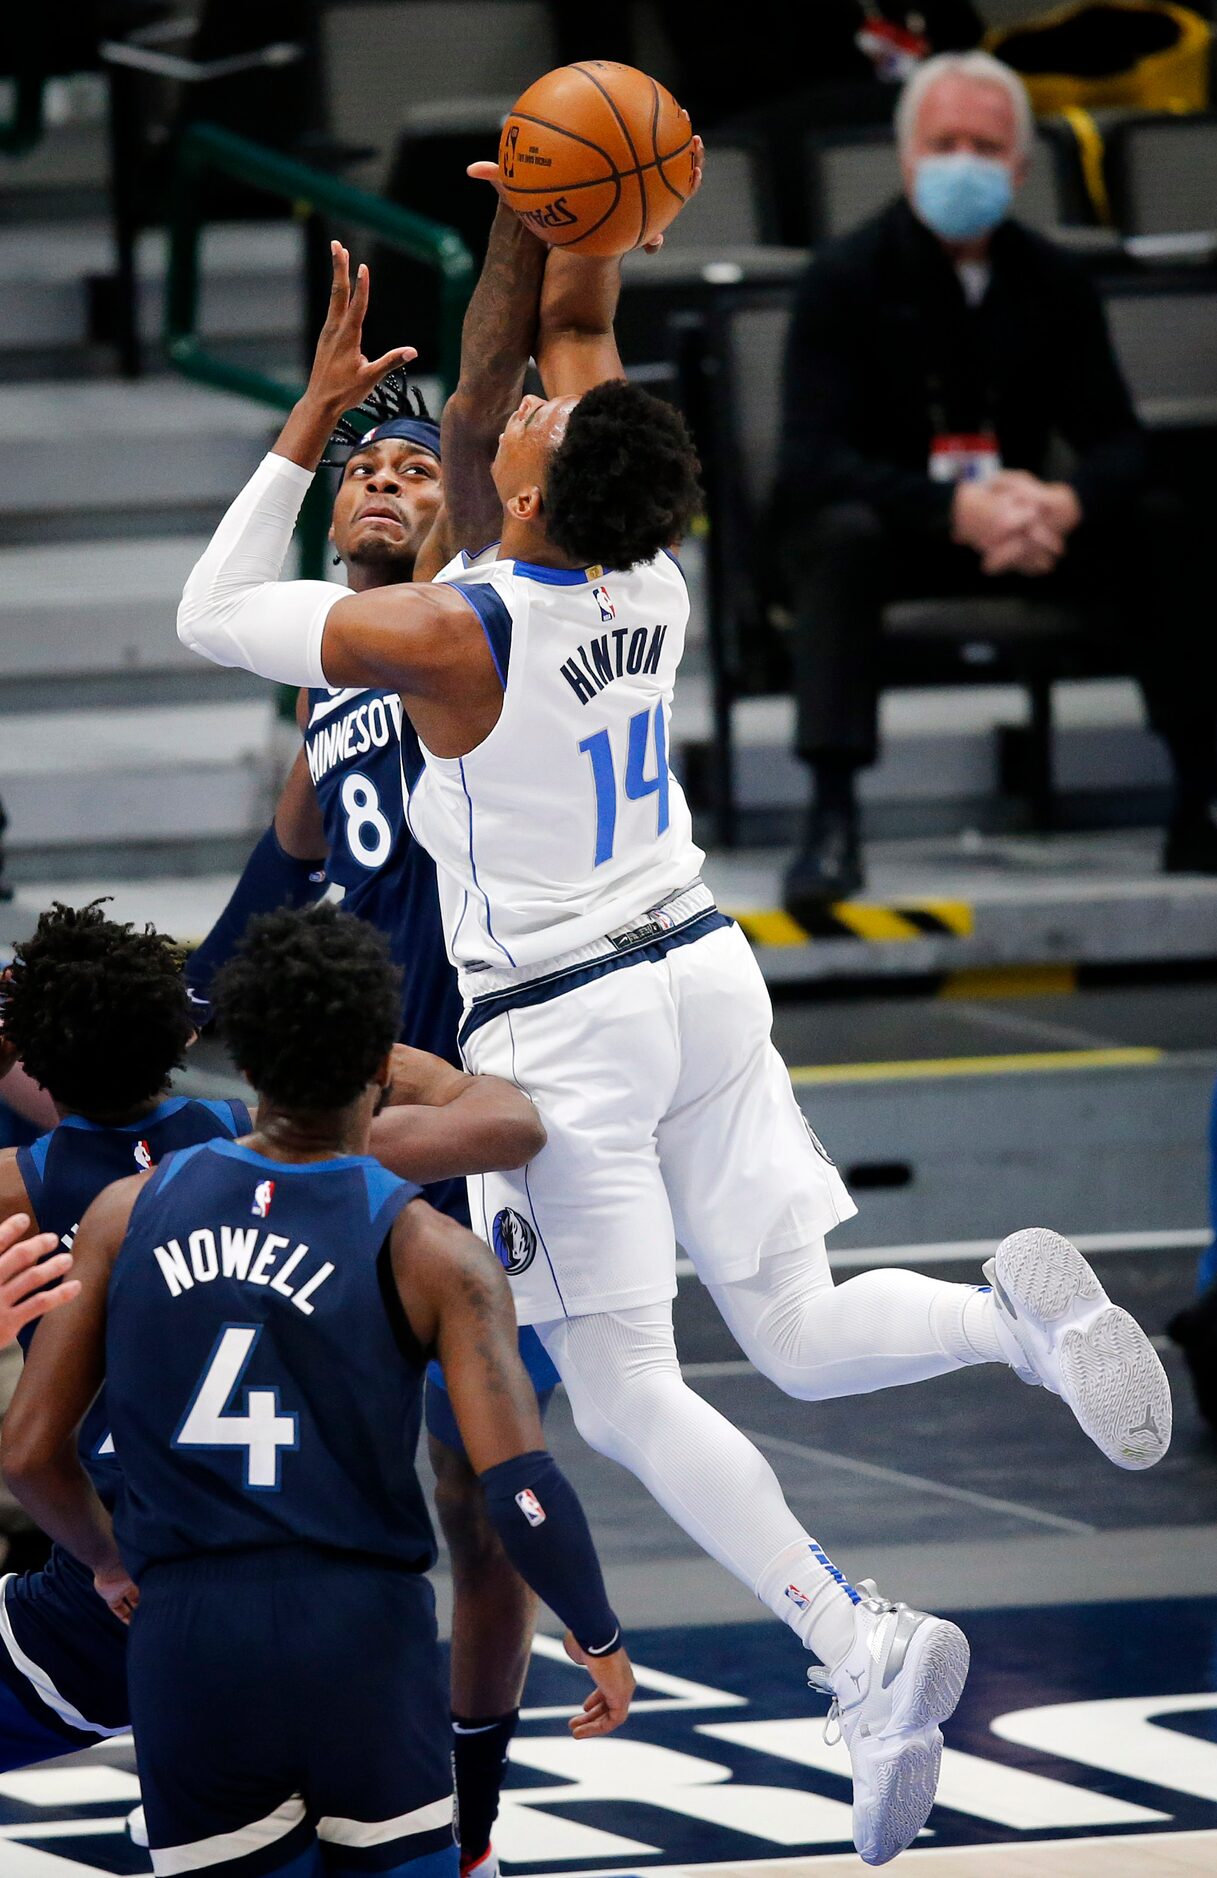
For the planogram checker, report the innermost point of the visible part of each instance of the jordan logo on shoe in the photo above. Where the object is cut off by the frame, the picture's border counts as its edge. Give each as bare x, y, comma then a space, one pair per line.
1148, 1427
856, 1680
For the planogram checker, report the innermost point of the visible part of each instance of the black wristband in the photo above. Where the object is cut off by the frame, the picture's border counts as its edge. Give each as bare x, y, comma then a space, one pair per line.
545, 1534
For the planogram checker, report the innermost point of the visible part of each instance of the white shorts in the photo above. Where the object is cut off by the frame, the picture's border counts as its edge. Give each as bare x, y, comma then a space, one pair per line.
670, 1116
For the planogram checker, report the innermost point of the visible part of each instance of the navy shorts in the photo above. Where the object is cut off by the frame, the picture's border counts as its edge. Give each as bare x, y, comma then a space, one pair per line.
441, 1422
63, 1664
291, 1714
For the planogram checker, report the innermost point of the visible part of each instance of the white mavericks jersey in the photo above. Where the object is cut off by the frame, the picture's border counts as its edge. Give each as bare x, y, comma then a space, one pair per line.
566, 822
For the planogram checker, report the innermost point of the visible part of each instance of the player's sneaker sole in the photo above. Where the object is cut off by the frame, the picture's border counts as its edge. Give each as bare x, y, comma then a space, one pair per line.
1096, 1357
904, 1760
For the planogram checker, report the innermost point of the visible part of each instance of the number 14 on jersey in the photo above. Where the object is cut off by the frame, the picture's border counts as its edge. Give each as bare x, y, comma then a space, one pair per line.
645, 727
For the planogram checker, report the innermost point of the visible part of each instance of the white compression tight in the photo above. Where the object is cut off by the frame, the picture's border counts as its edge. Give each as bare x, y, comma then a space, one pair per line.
816, 1340
631, 1403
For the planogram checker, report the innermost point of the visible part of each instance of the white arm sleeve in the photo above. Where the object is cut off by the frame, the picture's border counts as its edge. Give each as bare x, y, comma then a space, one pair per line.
234, 608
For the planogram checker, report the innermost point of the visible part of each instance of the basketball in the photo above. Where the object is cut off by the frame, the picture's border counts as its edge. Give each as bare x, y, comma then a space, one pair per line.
597, 157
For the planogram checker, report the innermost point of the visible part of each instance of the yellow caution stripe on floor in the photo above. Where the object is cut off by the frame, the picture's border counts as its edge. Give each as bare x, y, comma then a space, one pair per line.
1010, 981
858, 919
925, 1069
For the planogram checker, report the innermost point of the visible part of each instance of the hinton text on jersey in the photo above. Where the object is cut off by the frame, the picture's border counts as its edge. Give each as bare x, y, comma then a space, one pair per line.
596, 665
239, 1255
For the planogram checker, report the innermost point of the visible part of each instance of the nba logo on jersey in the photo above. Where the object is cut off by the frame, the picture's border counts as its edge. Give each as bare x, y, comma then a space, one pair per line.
531, 1507
601, 596
264, 1193
143, 1155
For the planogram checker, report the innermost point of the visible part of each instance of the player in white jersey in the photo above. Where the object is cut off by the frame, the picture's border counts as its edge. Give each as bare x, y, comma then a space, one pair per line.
599, 976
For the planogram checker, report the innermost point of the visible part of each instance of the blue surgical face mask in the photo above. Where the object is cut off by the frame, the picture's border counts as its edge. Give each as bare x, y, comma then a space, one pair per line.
962, 196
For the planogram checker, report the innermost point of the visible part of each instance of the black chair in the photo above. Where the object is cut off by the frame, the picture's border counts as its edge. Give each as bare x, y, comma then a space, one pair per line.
726, 239
1164, 328
1161, 174
731, 374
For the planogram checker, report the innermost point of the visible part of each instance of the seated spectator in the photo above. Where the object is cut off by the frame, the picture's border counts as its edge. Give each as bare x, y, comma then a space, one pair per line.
943, 323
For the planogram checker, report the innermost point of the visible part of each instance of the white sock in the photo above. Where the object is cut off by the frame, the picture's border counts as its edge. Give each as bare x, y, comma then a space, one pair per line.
817, 1340
631, 1402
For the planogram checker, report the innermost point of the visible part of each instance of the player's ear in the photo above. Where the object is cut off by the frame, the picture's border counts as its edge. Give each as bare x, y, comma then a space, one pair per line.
526, 505
383, 1075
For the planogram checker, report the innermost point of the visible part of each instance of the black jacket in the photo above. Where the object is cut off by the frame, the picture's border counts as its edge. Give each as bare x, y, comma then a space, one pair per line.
884, 351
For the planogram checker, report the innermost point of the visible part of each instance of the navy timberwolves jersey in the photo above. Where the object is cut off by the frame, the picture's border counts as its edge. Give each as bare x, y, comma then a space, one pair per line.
355, 758
359, 747
63, 1173
284, 1401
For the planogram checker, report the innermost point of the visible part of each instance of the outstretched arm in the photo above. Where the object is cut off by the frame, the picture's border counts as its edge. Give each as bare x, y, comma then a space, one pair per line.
576, 344
438, 1123
456, 1299
236, 611
497, 341
63, 1371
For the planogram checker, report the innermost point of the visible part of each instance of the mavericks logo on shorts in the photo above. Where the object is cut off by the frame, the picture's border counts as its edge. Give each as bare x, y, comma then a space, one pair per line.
515, 1242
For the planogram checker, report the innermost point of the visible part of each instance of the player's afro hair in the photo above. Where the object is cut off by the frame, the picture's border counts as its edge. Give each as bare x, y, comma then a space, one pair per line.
310, 1006
622, 484
98, 1011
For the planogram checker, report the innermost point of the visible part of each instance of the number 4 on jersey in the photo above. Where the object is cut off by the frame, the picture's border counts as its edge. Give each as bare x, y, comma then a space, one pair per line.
261, 1430
638, 784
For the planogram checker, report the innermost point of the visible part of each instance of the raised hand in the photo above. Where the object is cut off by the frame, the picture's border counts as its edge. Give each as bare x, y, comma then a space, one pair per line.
341, 376
31, 1282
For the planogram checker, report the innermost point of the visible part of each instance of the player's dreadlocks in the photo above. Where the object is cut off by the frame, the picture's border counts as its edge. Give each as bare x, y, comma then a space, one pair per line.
98, 1011
392, 400
622, 484
309, 1006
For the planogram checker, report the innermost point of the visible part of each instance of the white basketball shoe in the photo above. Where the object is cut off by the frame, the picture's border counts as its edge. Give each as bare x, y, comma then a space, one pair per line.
1062, 1330
903, 1675
137, 1828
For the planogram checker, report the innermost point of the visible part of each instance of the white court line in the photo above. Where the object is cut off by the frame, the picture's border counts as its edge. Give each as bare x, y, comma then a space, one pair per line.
946, 1251
894, 1477
80, 1828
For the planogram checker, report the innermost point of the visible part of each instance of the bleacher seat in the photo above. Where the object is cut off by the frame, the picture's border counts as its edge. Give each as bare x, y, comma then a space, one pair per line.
382, 60
851, 177
731, 209
1162, 174
1165, 335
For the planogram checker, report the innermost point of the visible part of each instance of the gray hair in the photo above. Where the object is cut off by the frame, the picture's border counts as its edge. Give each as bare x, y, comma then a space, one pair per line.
981, 67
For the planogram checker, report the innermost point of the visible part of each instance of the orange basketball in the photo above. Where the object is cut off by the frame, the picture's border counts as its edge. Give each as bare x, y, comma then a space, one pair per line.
597, 157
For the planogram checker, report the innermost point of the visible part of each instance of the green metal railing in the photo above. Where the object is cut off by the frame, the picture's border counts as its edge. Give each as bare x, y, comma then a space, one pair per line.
208, 149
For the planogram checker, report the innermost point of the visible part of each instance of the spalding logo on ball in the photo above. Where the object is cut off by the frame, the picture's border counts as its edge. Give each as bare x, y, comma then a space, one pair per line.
597, 157
515, 1242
